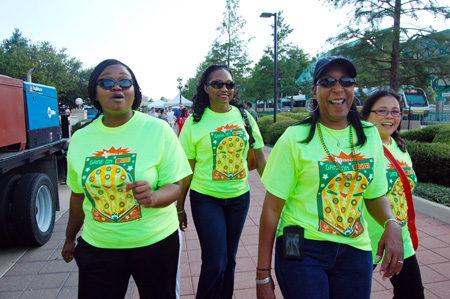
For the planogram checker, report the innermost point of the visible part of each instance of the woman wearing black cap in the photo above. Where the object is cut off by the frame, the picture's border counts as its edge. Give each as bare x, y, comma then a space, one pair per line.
318, 177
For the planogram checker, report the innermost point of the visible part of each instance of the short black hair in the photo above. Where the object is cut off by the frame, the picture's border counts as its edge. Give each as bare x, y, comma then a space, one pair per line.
92, 87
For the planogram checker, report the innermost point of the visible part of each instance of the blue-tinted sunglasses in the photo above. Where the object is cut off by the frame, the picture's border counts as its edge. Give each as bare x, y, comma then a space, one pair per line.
108, 84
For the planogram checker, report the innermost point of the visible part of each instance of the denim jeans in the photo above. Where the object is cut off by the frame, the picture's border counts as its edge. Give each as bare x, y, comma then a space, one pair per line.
219, 223
329, 270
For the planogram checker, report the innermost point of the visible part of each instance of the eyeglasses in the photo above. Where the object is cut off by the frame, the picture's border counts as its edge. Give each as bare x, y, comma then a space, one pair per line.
330, 82
219, 84
384, 112
108, 84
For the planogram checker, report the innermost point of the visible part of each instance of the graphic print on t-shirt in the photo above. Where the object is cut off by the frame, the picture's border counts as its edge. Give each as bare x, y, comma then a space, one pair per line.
104, 177
340, 195
396, 195
228, 144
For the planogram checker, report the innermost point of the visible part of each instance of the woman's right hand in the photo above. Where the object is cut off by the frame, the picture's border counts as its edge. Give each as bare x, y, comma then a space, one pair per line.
67, 251
265, 291
182, 219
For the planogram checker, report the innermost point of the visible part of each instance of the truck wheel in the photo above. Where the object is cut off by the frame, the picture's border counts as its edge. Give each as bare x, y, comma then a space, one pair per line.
33, 209
7, 184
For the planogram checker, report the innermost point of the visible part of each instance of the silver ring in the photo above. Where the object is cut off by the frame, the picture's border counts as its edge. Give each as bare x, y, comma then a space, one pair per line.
401, 262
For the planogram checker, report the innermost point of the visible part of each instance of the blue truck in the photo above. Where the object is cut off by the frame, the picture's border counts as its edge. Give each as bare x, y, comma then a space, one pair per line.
32, 161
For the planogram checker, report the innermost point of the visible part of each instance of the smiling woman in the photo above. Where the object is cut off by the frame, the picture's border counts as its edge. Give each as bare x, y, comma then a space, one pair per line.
316, 191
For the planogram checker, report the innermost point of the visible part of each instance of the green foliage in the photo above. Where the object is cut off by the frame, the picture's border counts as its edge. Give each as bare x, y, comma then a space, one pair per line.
270, 131
396, 55
296, 116
431, 161
52, 67
443, 135
426, 134
433, 192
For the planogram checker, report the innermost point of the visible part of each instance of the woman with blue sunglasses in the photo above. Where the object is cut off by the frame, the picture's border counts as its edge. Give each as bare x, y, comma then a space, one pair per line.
123, 189
319, 176
216, 143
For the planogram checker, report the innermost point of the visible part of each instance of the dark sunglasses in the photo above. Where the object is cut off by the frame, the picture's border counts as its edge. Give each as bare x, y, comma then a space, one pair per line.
108, 84
330, 82
219, 84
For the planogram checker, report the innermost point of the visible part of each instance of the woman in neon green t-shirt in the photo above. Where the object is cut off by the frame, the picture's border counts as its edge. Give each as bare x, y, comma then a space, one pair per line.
318, 177
384, 110
123, 189
216, 144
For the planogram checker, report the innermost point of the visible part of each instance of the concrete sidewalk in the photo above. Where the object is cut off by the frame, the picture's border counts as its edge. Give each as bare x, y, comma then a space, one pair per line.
41, 272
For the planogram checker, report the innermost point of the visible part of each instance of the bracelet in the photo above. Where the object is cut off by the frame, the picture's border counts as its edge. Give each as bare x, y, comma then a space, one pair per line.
180, 212
259, 269
389, 220
263, 281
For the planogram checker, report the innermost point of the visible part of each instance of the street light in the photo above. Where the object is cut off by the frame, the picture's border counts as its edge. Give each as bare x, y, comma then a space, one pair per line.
275, 100
180, 86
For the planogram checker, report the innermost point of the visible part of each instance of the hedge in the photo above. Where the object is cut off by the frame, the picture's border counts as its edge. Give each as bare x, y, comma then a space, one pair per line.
426, 134
431, 161
433, 192
271, 132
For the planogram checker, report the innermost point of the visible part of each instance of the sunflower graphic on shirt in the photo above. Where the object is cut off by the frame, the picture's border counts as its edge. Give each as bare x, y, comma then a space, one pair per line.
340, 195
228, 145
104, 177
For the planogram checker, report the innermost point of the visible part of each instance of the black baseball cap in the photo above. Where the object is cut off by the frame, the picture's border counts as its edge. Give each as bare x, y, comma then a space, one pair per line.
323, 63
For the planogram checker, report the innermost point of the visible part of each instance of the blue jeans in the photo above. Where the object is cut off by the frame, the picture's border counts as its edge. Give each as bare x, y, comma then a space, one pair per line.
329, 270
219, 223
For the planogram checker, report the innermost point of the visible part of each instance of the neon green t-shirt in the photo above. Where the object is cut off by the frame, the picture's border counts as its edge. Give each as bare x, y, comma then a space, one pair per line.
101, 159
318, 197
219, 145
397, 198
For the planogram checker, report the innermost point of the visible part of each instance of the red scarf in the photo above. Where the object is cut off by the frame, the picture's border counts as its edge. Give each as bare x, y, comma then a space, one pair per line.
407, 188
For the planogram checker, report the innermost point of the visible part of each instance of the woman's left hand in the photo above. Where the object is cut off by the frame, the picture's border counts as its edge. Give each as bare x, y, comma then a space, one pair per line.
143, 193
391, 243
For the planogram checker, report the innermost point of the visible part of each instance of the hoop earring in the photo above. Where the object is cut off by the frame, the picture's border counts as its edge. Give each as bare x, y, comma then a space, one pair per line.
359, 104
309, 104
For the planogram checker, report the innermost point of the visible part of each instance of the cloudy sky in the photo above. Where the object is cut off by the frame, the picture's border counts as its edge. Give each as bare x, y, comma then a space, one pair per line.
162, 40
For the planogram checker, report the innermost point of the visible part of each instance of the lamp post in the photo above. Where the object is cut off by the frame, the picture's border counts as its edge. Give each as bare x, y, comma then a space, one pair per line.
180, 86
275, 100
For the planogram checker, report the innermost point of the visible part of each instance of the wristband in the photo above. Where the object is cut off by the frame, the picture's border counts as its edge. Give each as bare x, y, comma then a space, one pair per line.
263, 281
389, 220
180, 212
259, 269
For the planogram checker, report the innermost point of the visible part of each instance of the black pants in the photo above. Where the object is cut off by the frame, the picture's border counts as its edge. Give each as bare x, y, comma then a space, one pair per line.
408, 284
105, 273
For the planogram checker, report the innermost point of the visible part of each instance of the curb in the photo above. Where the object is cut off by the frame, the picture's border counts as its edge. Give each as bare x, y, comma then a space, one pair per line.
427, 207
432, 209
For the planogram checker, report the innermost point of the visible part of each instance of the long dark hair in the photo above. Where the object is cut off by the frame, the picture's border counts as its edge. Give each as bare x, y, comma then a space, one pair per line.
201, 98
353, 118
367, 108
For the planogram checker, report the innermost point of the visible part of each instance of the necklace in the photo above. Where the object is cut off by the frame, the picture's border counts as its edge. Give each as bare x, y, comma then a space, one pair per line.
338, 139
348, 176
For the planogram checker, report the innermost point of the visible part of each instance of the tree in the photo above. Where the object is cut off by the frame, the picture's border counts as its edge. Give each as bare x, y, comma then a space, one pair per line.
382, 52
228, 48
291, 62
52, 67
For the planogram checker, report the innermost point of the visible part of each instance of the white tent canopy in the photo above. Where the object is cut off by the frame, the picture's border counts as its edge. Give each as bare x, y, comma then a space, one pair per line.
158, 104
176, 101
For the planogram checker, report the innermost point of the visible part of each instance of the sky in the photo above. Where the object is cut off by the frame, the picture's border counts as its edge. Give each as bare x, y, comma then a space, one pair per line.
162, 40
